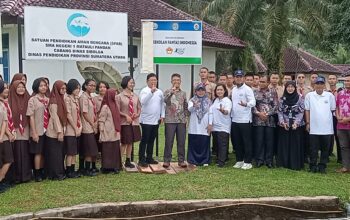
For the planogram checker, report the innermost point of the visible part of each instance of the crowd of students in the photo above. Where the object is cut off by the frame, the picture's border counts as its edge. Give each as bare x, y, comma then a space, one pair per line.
42, 134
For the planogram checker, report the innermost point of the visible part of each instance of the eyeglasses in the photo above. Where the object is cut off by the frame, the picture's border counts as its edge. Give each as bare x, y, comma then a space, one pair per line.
301, 77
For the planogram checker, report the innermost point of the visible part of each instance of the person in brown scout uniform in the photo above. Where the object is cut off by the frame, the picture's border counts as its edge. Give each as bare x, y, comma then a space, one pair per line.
19, 76
39, 119
130, 110
274, 84
18, 103
109, 126
54, 157
88, 145
73, 128
6, 153
102, 87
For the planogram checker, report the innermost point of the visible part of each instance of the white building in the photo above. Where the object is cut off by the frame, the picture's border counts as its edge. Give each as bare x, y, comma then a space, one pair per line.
213, 40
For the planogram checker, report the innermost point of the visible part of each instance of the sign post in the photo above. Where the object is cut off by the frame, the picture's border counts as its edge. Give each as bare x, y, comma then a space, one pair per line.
176, 43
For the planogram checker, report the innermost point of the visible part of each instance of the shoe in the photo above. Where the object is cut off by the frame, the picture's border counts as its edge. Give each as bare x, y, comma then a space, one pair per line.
116, 171
89, 173
247, 166
95, 170
270, 165
313, 169
3, 186
342, 170
61, 177
220, 165
205, 165
166, 165
72, 175
151, 161
143, 164
182, 164
322, 170
37, 176
238, 165
129, 164
259, 164
43, 174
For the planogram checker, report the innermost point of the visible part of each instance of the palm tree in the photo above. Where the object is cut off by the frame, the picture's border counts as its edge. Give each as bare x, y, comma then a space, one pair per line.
267, 25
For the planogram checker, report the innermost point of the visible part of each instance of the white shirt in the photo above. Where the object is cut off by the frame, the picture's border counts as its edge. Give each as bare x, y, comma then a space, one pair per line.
152, 106
242, 114
320, 107
194, 126
220, 121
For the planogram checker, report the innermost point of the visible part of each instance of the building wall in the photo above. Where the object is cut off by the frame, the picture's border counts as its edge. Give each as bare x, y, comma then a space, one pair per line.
65, 70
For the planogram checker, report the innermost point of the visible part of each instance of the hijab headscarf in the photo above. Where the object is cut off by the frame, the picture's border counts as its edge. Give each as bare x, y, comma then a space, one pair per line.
18, 105
18, 76
109, 100
201, 104
58, 99
290, 99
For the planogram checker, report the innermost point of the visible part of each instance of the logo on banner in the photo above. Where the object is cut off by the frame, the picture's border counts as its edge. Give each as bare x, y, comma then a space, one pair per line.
180, 51
155, 26
169, 50
78, 25
196, 26
175, 26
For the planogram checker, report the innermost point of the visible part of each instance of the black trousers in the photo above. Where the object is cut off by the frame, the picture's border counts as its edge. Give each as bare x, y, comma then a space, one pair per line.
264, 144
149, 134
221, 140
319, 143
335, 137
241, 136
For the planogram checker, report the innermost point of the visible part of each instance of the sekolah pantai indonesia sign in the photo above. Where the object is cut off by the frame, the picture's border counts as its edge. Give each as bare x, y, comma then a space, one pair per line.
177, 42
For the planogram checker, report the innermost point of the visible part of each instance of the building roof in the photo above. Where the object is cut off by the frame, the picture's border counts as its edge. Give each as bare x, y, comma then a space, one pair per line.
136, 9
343, 67
298, 60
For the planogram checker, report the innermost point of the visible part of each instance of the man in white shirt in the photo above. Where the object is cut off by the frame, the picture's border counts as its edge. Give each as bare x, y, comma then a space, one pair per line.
241, 130
319, 108
152, 112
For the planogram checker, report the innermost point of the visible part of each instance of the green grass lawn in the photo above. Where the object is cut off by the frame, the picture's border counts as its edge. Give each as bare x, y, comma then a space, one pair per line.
204, 183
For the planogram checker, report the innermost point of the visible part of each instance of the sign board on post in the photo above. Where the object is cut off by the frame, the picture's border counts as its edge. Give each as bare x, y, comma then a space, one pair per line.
177, 42
71, 34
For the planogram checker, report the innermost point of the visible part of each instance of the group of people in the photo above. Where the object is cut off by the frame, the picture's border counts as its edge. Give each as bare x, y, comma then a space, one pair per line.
285, 125
42, 134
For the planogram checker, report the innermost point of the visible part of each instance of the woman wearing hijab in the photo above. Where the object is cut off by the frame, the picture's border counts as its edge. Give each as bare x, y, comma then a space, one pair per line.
101, 88
54, 153
19, 76
18, 102
290, 152
73, 128
38, 114
199, 129
109, 126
